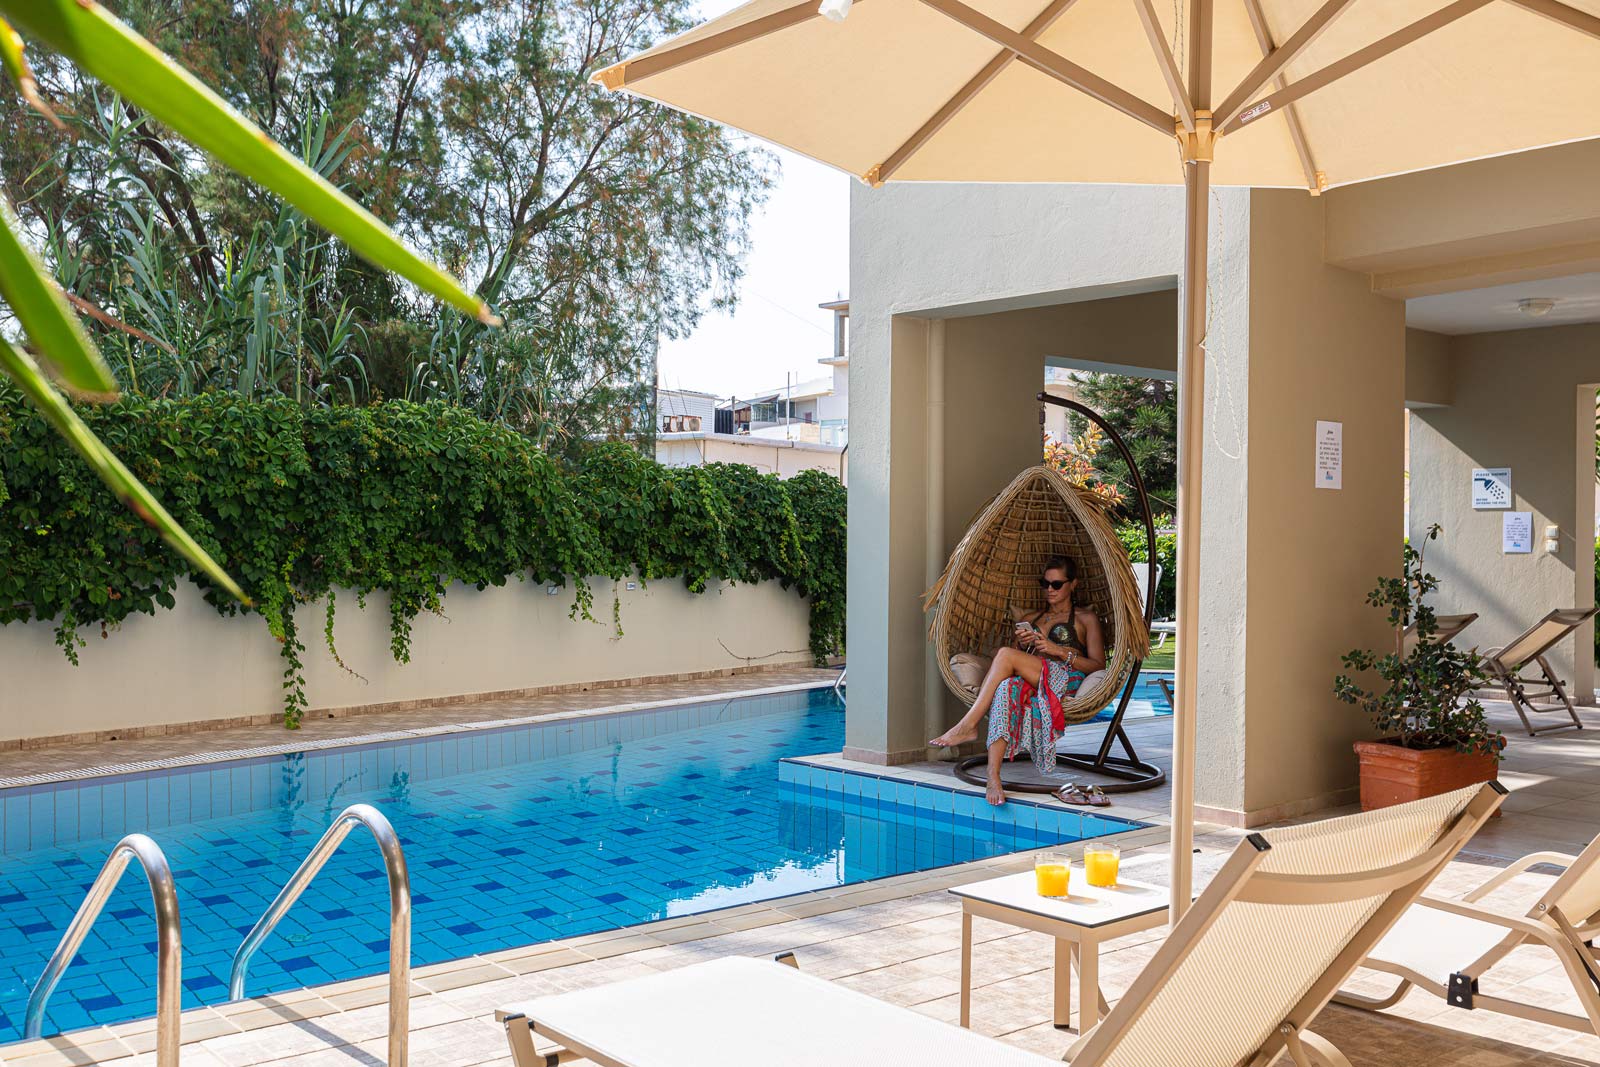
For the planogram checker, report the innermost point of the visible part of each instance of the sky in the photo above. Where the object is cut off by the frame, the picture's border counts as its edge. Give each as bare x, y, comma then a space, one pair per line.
799, 257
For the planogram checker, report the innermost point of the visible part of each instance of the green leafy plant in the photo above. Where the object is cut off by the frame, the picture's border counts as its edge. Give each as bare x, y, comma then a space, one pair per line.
1131, 534
1427, 700
397, 500
102, 46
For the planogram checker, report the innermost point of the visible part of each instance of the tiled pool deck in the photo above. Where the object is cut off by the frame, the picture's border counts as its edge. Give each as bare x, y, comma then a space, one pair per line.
898, 938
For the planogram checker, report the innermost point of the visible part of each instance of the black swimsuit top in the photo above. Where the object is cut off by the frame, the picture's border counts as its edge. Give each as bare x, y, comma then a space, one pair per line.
1064, 634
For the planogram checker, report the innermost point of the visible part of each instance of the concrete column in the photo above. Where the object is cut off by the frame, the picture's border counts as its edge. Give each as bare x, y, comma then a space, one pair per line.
888, 516
1320, 346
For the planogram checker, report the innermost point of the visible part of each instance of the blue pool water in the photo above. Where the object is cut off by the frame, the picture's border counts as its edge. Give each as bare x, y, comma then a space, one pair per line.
513, 835
1147, 699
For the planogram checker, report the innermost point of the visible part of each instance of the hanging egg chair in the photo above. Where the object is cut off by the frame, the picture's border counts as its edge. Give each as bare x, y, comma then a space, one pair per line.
994, 571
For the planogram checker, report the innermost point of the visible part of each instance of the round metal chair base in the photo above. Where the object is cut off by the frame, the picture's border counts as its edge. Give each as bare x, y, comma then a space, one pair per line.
1135, 774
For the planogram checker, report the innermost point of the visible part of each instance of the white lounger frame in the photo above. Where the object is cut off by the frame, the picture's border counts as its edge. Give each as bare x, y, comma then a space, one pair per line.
1524, 691
1550, 922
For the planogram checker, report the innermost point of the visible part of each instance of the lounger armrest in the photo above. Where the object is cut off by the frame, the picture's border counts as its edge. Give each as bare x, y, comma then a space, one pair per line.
1555, 859
1512, 923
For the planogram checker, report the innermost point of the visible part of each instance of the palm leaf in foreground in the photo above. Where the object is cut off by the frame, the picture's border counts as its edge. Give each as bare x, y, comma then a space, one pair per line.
21, 368
40, 307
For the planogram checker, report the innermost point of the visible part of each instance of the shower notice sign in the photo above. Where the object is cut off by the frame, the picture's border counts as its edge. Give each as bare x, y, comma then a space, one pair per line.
1330, 455
1491, 487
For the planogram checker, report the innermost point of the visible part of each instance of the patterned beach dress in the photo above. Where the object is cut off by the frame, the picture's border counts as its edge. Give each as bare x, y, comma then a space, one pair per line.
1030, 720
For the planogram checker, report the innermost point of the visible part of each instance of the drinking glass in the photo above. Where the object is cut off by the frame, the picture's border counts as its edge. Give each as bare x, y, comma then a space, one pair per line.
1051, 873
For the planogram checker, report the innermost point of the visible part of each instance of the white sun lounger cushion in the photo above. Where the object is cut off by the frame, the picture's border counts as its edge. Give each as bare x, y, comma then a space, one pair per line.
1436, 944
740, 1012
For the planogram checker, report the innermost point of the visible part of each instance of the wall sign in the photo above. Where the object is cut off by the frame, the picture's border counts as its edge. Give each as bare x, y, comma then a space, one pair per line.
1330, 455
1516, 532
1491, 487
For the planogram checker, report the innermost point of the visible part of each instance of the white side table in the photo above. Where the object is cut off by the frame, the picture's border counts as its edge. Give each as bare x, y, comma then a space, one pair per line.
1079, 923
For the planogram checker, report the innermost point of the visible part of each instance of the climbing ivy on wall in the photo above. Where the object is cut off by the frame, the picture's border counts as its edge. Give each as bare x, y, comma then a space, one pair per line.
400, 498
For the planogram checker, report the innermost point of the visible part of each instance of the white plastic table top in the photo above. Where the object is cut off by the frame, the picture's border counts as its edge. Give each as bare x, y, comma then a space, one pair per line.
1085, 905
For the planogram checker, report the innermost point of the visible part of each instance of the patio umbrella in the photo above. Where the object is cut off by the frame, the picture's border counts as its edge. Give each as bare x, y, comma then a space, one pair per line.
1234, 92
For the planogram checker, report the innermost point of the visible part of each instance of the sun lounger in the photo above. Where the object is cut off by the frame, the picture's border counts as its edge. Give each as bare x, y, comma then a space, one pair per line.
1449, 628
1528, 649
1450, 947
1281, 926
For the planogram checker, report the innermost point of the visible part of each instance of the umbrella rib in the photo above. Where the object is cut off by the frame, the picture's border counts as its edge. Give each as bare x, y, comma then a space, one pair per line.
1055, 65
991, 70
655, 63
1297, 133
1562, 13
1274, 62
1168, 65
1354, 62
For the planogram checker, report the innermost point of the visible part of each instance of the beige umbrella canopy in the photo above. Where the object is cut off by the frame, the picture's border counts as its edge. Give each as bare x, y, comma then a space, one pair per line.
1237, 92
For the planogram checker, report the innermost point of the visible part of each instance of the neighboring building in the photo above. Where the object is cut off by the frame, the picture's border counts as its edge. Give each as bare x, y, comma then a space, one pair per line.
1058, 381
681, 410
802, 425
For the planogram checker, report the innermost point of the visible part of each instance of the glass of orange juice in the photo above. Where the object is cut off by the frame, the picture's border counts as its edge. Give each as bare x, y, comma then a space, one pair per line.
1051, 872
1100, 863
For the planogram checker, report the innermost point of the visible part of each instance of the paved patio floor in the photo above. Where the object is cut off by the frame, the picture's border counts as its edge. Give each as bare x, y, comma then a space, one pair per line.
898, 939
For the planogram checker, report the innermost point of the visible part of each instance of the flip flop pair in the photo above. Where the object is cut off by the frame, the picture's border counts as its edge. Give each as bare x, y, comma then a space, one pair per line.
1092, 797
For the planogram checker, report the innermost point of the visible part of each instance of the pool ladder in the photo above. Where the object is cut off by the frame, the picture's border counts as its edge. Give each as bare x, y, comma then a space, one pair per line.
169, 937
169, 941
394, 863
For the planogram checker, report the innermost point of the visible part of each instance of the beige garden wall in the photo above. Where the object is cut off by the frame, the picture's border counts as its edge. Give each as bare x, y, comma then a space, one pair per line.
190, 664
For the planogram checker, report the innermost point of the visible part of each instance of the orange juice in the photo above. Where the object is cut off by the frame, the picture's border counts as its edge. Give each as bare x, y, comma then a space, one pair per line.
1100, 864
1051, 875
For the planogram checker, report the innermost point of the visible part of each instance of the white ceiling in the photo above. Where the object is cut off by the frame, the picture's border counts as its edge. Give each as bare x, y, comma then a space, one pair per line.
1577, 299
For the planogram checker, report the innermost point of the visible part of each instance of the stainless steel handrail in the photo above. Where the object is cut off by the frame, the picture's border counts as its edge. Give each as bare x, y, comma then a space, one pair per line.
394, 862
169, 941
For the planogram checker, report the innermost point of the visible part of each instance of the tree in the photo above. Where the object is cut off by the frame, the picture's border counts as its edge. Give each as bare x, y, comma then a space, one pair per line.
594, 223
1144, 412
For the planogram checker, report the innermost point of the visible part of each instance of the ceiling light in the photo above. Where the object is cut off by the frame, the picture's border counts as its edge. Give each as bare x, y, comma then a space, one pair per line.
834, 10
1535, 306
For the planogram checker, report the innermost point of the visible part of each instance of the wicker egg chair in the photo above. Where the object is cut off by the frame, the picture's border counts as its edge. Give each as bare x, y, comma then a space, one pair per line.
996, 566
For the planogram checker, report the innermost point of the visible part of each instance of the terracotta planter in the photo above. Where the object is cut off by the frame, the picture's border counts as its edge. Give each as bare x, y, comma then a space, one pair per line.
1393, 775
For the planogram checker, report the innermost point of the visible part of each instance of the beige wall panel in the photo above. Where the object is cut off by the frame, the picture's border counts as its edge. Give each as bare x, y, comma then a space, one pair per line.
190, 664
1517, 403
1428, 376
1322, 346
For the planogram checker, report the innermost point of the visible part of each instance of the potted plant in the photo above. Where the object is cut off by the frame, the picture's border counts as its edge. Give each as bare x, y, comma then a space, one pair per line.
1433, 735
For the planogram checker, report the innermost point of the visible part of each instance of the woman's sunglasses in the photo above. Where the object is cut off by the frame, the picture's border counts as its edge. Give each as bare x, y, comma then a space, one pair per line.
1050, 583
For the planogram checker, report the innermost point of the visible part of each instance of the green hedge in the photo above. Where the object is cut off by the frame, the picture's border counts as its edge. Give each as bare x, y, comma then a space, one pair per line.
398, 497
1132, 536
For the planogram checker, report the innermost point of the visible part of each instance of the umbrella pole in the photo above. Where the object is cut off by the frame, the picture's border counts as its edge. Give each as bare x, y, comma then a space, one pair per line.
1197, 151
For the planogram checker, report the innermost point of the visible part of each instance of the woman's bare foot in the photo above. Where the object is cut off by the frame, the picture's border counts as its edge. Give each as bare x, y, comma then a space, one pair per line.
953, 737
996, 793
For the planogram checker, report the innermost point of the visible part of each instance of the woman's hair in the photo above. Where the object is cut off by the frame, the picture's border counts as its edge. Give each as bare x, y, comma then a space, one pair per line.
1064, 565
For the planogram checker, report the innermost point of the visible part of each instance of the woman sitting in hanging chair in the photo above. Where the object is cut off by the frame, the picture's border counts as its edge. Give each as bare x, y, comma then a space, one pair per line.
1055, 650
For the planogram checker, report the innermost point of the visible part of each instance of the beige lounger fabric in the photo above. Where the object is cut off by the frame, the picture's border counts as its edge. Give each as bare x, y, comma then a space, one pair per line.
1258, 960
740, 1012
1238, 976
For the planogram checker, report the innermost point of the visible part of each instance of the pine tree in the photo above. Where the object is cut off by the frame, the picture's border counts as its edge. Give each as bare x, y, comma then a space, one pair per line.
1144, 412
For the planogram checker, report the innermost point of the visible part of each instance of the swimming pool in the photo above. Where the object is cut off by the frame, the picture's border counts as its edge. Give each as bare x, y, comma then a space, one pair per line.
1147, 699
513, 835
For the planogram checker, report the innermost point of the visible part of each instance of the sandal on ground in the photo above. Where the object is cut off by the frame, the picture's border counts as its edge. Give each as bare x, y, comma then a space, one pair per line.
1073, 793
1098, 798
